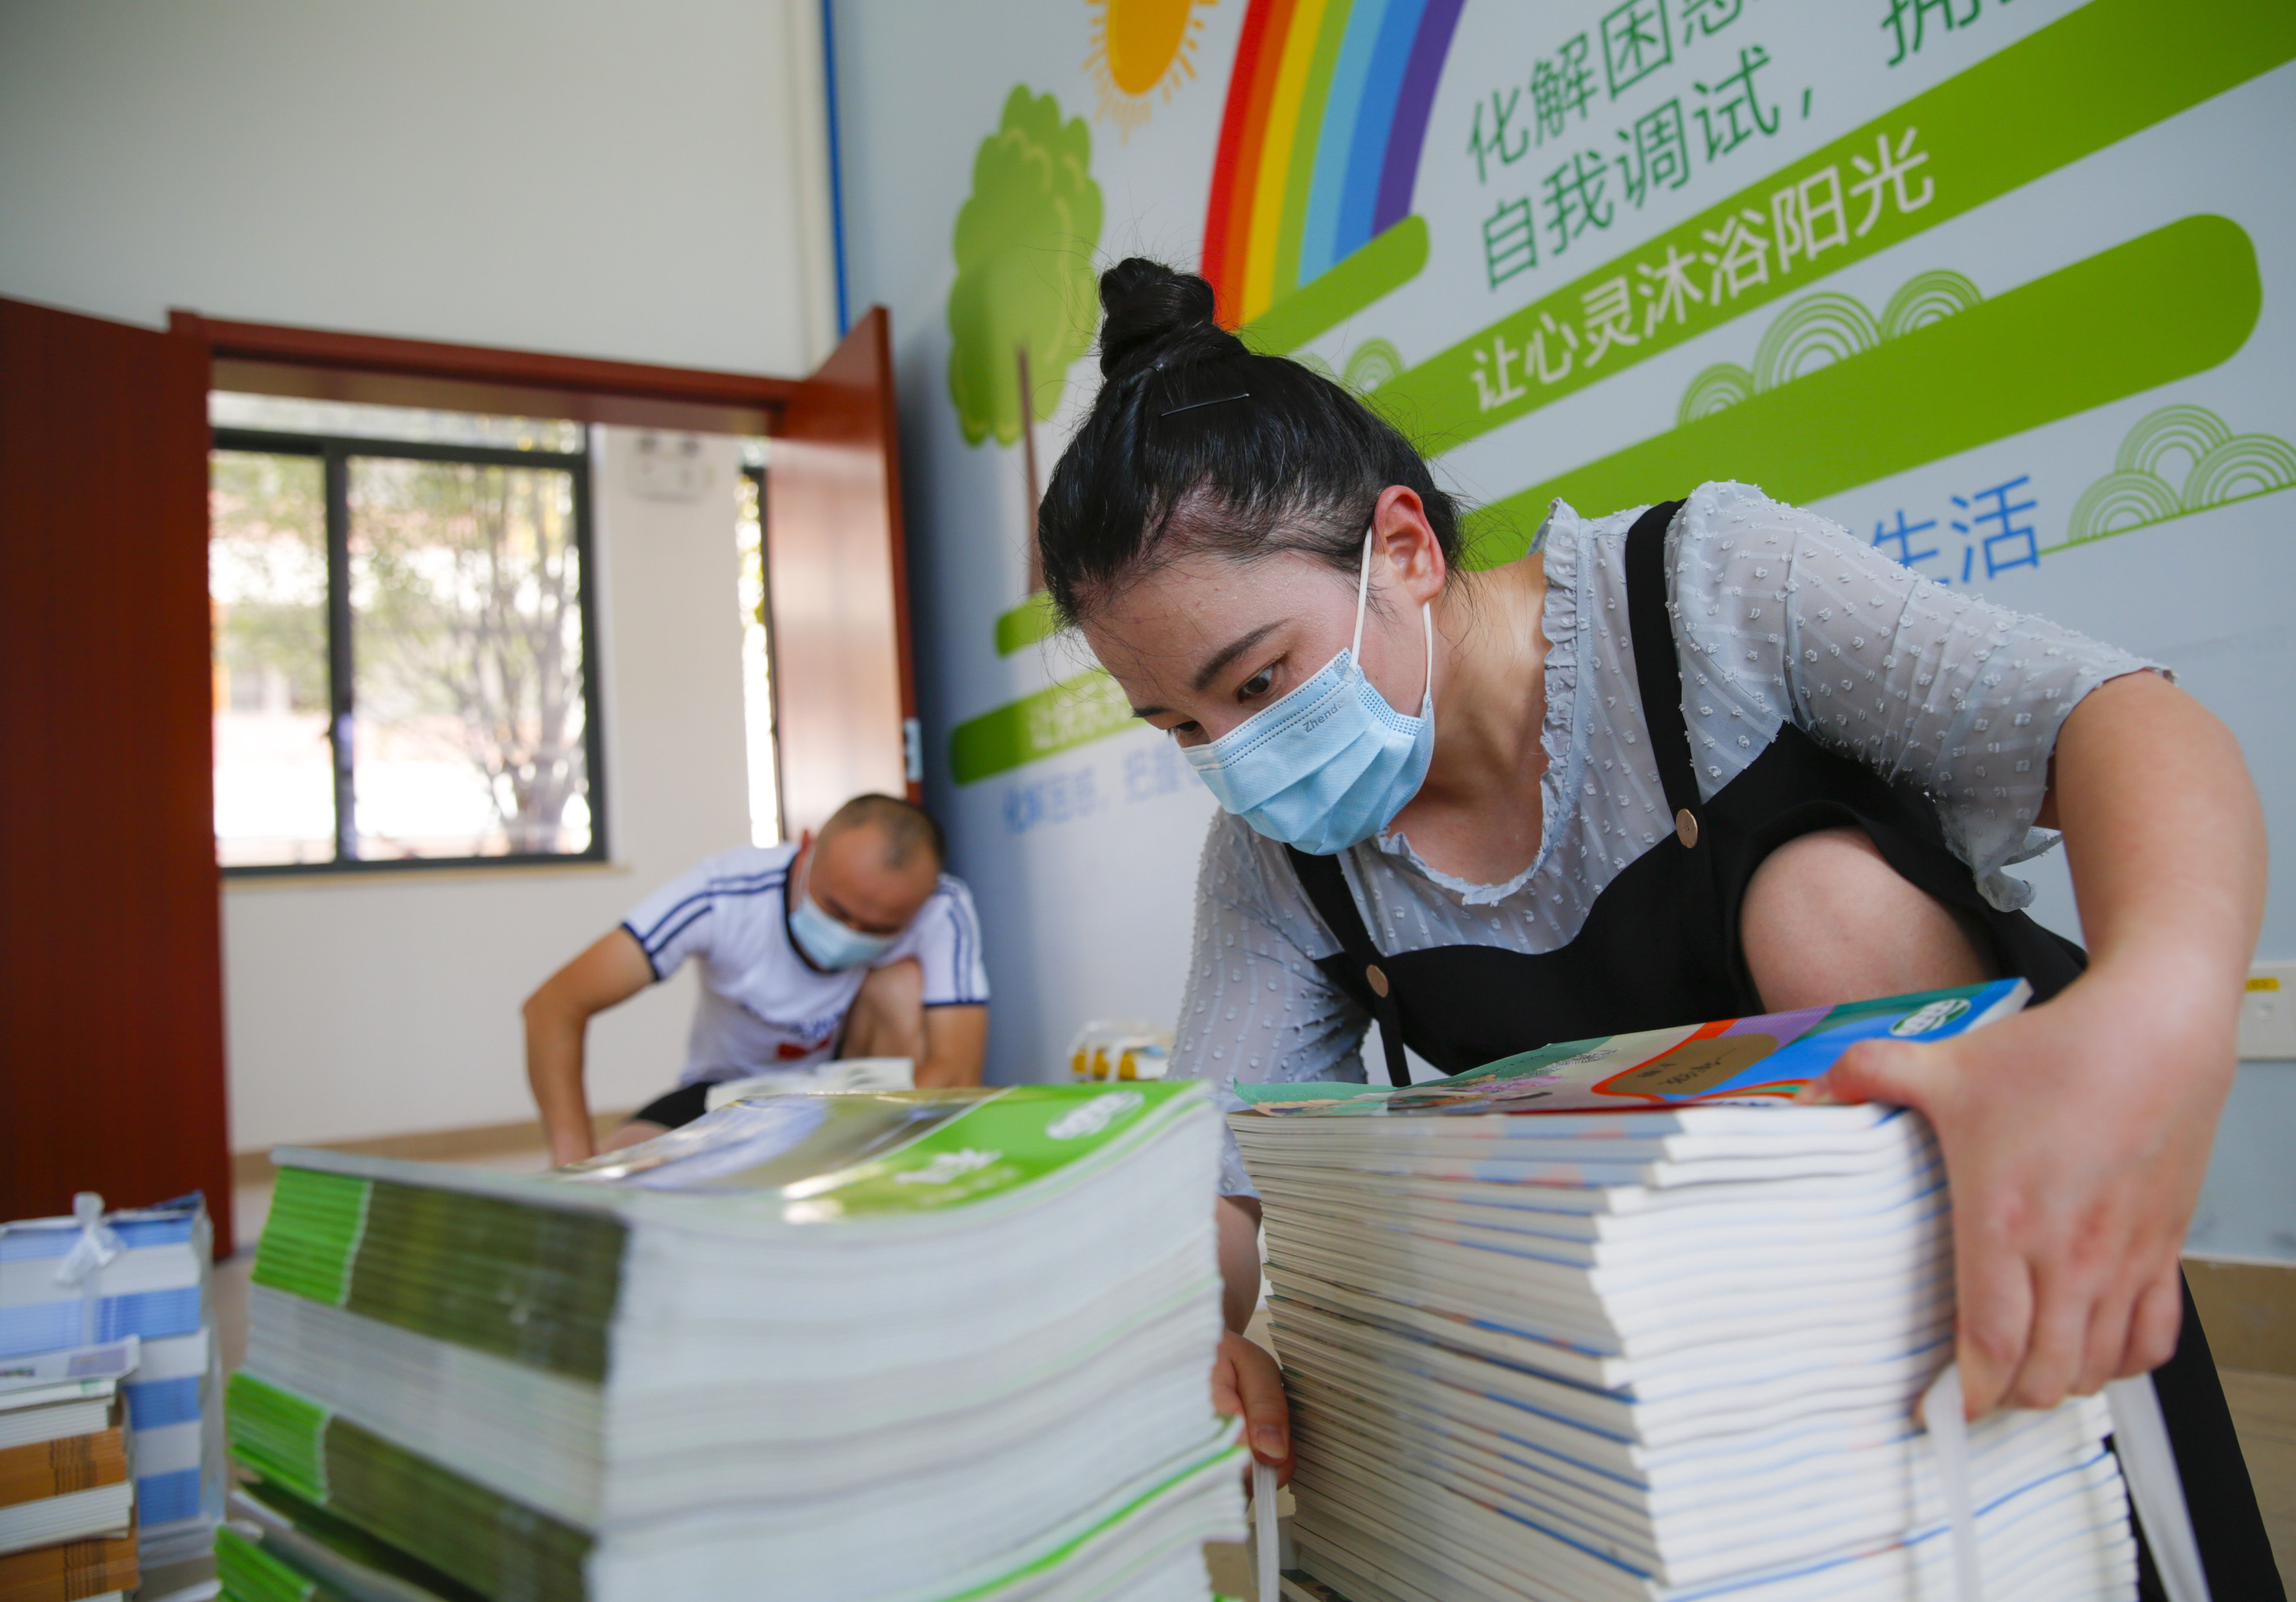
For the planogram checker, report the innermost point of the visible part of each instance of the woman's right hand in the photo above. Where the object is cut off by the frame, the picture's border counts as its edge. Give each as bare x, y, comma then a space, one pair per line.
1247, 1383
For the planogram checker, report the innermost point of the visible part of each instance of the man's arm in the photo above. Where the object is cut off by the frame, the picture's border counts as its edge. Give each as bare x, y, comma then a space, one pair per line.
956, 1044
611, 971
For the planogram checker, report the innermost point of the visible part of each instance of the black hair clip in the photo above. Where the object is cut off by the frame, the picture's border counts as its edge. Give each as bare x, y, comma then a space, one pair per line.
1216, 400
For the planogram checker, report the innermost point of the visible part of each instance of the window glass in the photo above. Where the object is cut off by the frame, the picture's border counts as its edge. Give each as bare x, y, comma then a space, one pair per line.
354, 420
756, 661
401, 666
267, 591
467, 649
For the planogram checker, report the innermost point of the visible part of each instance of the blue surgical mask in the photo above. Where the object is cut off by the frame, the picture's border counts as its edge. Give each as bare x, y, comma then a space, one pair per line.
1331, 764
826, 942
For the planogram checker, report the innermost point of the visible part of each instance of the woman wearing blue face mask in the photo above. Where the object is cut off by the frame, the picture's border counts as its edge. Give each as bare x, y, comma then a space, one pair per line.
1696, 760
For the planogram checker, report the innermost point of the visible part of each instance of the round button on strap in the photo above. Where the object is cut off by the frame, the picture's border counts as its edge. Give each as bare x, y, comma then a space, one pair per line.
1377, 977
1685, 830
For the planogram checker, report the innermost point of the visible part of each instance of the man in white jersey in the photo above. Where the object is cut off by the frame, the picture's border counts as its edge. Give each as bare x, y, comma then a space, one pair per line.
852, 944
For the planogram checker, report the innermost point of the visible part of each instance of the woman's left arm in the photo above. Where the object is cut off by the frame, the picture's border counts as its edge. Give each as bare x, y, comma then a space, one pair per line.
2078, 1132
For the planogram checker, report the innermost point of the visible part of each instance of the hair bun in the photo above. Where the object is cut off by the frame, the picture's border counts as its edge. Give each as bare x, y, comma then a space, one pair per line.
1151, 311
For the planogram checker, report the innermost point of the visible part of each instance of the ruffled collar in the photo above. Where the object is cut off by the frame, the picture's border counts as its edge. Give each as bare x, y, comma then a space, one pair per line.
1561, 542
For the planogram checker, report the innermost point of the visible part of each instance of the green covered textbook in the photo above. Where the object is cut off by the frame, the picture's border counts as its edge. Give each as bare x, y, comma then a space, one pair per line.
926, 1344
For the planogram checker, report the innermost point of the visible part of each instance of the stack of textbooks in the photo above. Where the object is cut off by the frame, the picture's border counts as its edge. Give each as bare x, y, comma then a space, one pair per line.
66, 1491
837, 1348
1607, 1321
96, 1281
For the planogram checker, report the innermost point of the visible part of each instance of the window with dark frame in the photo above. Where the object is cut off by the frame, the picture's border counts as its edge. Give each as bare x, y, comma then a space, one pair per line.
404, 626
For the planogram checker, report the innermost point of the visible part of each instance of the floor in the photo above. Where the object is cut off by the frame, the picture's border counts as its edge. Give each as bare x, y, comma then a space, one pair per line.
2264, 1412
2263, 1405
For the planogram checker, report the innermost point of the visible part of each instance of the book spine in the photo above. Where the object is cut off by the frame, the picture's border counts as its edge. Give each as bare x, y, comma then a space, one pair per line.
70, 1570
47, 1468
249, 1570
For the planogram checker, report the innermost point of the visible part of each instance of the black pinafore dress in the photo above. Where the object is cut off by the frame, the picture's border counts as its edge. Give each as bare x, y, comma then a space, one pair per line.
1660, 948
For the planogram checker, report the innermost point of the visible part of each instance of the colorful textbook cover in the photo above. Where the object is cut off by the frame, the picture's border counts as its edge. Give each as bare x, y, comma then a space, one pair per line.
1761, 1061
816, 1159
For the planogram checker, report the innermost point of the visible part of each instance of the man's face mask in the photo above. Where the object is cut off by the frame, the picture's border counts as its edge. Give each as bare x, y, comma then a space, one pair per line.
826, 942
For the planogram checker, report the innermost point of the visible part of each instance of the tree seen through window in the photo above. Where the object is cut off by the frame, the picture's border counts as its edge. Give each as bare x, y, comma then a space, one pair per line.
401, 633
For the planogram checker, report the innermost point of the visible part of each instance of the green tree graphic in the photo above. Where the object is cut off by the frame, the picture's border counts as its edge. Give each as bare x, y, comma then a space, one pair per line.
1023, 300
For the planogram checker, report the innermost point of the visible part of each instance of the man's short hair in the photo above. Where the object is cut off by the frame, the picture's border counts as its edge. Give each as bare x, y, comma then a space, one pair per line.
906, 826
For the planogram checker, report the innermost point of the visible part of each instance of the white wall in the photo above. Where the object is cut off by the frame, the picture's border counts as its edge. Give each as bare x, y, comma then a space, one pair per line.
646, 183
362, 1006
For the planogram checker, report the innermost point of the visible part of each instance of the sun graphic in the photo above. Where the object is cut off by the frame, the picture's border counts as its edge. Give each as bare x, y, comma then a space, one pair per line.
1141, 48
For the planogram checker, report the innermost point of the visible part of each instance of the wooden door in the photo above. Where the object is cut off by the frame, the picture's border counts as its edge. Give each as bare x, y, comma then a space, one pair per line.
112, 1040
837, 586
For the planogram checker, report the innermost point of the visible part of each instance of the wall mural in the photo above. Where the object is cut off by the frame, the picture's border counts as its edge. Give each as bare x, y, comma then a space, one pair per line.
1986, 283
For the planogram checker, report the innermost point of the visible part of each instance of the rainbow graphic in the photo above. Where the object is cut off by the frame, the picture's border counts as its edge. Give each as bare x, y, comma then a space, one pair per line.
1319, 147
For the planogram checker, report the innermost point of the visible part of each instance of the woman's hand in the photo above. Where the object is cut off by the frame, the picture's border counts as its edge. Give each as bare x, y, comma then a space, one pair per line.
2076, 1136
1247, 1384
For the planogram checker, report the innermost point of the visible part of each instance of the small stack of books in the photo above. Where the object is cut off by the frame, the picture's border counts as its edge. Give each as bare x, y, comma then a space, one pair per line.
67, 1492
1597, 1322
101, 1278
836, 1348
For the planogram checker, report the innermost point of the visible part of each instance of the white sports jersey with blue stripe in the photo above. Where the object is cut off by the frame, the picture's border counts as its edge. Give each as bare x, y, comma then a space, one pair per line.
763, 1007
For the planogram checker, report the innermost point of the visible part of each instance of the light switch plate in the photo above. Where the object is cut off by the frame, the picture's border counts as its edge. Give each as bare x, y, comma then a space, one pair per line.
2268, 1011
670, 467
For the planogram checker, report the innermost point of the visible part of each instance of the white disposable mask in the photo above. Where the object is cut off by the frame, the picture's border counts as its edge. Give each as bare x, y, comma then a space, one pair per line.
1331, 764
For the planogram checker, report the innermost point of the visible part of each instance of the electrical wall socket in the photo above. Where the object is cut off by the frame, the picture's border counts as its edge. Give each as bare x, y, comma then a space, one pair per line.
2268, 1013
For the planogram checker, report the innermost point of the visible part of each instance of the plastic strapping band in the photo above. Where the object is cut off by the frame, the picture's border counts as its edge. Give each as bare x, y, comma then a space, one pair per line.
1264, 1527
2140, 1438
82, 1266
1941, 1417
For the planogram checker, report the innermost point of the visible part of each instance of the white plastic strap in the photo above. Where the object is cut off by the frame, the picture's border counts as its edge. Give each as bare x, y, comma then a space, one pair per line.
1263, 1521
1941, 1417
2140, 1437
98, 1243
